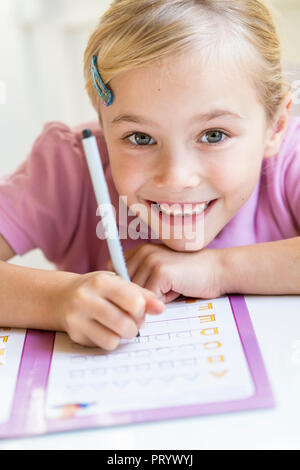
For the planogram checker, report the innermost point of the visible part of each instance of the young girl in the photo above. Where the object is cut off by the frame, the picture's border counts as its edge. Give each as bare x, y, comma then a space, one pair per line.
200, 121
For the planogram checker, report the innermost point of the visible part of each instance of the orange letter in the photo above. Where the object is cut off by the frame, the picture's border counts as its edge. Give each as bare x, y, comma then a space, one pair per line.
210, 331
212, 345
206, 307
207, 318
219, 374
213, 359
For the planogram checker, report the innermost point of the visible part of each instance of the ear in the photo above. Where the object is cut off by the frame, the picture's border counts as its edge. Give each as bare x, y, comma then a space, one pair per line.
278, 127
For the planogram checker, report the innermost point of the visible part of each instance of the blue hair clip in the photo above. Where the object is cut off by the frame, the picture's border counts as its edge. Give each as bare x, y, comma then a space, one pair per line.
105, 94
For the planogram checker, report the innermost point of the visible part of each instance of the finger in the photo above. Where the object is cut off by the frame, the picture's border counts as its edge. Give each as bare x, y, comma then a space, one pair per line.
92, 334
129, 253
115, 319
136, 260
83, 340
141, 275
101, 336
159, 284
124, 295
153, 304
109, 266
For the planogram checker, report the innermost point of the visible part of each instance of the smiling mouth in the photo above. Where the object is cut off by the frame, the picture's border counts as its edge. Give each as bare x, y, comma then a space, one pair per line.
180, 209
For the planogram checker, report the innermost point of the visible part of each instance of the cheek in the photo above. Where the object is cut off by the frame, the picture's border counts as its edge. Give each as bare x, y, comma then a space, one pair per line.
126, 175
237, 171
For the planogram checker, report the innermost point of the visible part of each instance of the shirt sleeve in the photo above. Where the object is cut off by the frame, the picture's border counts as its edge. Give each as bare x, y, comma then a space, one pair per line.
292, 185
40, 201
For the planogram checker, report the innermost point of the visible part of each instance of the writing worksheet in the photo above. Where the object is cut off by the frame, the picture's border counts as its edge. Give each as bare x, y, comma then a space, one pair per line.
197, 357
11, 345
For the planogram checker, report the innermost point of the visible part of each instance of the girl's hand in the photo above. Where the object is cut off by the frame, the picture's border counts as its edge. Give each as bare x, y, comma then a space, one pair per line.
169, 273
100, 308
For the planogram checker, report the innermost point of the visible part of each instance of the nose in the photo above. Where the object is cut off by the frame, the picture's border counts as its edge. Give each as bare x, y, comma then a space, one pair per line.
177, 171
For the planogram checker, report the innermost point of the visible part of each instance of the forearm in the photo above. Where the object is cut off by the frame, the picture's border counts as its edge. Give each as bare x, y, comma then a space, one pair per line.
271, 268
29, 297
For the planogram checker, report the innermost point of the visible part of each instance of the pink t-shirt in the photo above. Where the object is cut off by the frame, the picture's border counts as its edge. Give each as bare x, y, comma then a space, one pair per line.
49, 203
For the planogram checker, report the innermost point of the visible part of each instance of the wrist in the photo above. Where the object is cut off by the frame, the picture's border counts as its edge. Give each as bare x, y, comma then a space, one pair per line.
224, 271
30, 298
59, 296
216, 263
238, 273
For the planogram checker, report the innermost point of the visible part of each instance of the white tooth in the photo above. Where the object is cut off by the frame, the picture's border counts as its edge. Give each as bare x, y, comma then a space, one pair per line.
199, 209
168, 210
177, 212
189, 211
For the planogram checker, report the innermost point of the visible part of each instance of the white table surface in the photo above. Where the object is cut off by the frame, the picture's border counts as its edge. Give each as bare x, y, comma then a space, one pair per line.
276, 321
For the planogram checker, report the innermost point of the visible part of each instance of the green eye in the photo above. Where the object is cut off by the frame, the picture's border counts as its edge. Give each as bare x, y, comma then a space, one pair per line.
140, 139
213, 137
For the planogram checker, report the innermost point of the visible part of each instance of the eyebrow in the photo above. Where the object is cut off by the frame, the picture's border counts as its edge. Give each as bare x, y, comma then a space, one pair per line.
214, 114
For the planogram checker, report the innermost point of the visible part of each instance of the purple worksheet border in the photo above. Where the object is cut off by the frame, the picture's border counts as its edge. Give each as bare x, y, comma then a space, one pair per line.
34, 373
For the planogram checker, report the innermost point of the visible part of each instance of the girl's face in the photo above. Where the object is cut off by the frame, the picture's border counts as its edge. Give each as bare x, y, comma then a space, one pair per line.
180, 132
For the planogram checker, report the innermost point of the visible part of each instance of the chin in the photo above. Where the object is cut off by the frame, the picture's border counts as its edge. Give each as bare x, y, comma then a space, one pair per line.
184, 245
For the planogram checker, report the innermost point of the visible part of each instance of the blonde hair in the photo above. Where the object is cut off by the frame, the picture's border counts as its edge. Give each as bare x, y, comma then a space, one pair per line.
134, 33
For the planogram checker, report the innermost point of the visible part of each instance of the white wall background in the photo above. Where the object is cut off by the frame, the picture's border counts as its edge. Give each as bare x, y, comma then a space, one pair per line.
41, 56
41, 51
